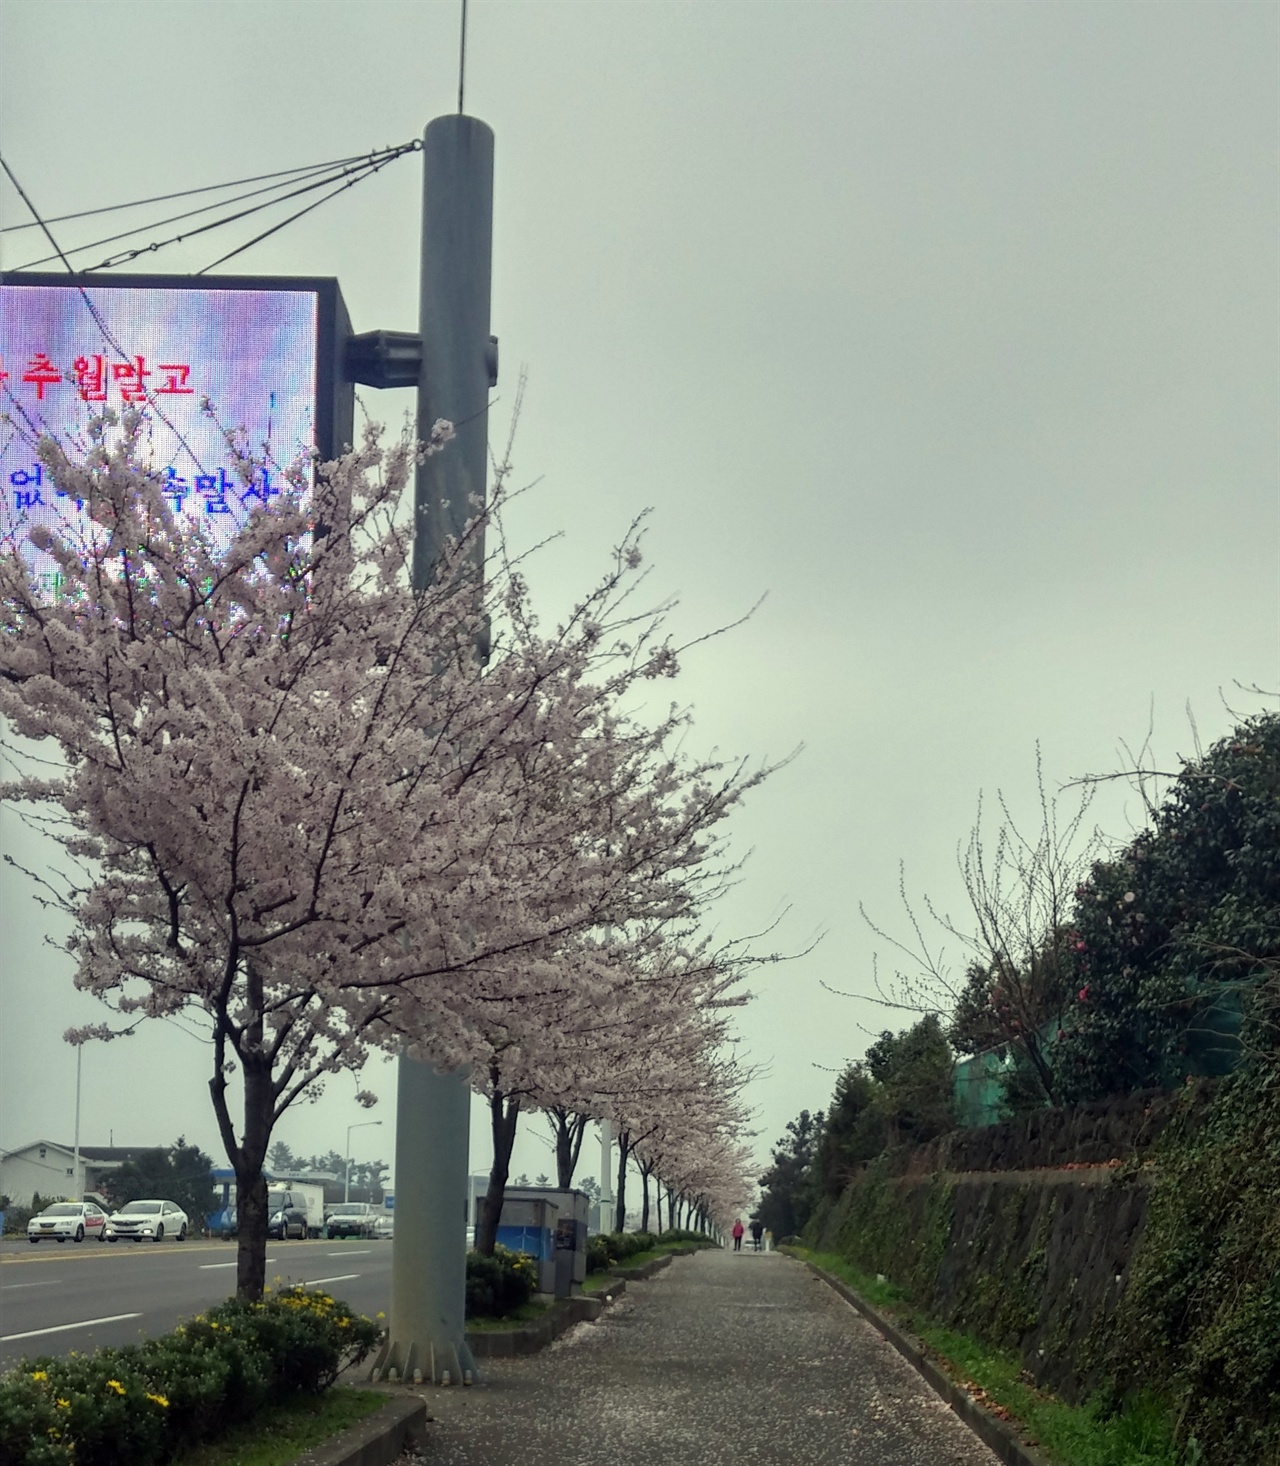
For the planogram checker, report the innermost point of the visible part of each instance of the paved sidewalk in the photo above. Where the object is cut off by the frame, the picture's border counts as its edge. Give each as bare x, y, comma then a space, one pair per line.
745, 1360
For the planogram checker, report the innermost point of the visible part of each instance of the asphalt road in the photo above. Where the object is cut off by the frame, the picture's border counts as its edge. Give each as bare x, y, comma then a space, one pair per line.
56, 1297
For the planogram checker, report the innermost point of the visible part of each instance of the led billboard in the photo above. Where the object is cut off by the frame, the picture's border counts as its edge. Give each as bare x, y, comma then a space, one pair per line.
198, 356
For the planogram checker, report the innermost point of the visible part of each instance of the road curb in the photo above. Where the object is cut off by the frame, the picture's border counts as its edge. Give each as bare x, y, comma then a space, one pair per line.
989, 1428
510, 1343
377, 1440
645, 1271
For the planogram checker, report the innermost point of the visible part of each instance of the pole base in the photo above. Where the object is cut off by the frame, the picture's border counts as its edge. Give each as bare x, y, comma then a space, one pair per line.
437, 1363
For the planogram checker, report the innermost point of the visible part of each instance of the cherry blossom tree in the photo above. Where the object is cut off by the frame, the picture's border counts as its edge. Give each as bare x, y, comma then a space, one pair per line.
638, 1030
297, 809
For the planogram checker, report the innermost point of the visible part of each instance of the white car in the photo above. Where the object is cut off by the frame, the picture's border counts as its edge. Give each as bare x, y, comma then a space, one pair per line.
385, 1225
350, 1219
150, 1221
74, 1219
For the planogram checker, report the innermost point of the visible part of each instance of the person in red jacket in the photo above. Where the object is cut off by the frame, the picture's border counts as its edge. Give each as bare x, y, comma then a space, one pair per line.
738, 1230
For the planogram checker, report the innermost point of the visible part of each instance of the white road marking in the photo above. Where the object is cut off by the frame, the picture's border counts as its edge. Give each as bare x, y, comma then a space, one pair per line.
62, 1328
49, 1284
315, 1282
351, 1252
208, 1267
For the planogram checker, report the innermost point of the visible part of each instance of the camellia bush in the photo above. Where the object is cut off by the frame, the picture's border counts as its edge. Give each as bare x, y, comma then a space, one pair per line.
140, 1404
1175, 941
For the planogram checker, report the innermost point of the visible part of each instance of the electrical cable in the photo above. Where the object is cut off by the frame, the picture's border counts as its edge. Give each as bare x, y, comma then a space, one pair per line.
370, 162
183, 193
95, 314
275, 228
171, 219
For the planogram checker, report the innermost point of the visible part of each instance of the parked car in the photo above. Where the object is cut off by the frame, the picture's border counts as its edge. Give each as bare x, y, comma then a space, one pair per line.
350, 1219
286, 1215
145, 1221
74, 1219
385, 1225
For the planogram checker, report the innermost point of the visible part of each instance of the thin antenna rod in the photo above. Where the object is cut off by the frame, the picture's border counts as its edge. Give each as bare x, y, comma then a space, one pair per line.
462, 57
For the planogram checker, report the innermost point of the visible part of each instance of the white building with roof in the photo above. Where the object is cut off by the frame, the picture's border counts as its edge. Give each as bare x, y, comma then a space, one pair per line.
49, 1169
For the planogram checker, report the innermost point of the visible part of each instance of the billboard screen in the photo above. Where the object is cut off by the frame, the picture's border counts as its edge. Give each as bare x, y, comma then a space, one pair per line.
199, 357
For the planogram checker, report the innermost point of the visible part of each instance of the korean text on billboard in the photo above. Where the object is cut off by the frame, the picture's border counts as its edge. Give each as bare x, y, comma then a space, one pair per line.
197, 362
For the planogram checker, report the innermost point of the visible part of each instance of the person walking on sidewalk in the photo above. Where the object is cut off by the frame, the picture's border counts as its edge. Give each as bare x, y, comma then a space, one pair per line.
738, 1230
757, 1231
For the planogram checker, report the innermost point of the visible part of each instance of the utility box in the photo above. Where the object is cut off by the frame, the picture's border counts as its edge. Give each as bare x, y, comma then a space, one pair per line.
550, 1225
571, 1243
528, 1225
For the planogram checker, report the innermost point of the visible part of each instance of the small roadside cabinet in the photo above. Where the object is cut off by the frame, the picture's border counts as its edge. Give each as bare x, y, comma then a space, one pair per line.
550, 1225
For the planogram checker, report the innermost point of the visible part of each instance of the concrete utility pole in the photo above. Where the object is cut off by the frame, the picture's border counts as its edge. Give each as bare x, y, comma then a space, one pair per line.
606, 1175
427, 1336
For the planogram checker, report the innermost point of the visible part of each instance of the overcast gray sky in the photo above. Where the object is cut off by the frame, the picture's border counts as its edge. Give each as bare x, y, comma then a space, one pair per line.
952, 327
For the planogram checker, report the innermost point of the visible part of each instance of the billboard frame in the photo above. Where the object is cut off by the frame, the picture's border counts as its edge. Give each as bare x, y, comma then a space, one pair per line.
334, 388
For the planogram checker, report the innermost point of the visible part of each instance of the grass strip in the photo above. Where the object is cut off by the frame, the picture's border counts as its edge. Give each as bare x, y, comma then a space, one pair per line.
279, 1434
597, 1282
527, 1313
1070, 1435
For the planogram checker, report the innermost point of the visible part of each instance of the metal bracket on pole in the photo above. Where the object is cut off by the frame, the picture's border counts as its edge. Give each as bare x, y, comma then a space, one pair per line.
394, 359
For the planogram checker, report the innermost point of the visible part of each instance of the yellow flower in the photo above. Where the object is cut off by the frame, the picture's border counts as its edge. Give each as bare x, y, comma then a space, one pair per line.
114, 1384
159, 1399
62, 1404
380, 1315
40, 1374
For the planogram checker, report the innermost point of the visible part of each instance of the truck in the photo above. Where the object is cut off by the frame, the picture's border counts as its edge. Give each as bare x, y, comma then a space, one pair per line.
295, 1209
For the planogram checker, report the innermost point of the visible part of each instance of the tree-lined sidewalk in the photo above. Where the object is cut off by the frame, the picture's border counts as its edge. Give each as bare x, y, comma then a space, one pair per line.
744, 1358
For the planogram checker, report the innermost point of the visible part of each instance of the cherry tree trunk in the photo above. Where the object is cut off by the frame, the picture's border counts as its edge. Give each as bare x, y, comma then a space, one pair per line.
624, 1145
644, 1215
569, 1130
251, 1185
504, 1112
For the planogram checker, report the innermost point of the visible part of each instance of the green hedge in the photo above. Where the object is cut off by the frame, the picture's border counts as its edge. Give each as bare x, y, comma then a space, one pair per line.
608, 1249
139, 1405
499, 1285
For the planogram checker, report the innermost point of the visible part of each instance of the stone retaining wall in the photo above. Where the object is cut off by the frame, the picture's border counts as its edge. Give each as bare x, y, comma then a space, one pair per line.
1020, 1233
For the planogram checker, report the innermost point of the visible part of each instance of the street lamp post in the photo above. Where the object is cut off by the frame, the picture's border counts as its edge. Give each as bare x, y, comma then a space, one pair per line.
77, 1179
346, 1185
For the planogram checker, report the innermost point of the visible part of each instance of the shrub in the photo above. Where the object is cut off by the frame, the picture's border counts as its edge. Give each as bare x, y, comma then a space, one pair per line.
17, 1216
684, 1235
623, 1245
498, 1285
138, 1405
